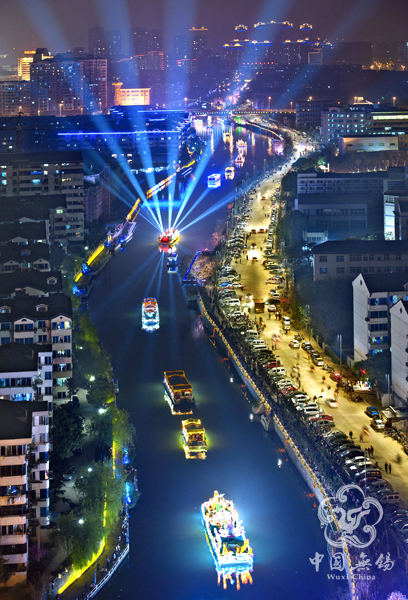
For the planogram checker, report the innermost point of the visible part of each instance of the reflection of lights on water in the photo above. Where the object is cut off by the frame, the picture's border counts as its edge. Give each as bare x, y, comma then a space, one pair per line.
251, 417
231, 379
279, 462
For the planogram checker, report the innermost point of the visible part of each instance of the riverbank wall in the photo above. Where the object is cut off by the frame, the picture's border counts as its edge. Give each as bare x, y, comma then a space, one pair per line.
218, 337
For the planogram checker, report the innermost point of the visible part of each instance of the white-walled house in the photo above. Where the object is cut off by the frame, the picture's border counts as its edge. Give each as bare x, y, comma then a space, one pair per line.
399, 351
373, 296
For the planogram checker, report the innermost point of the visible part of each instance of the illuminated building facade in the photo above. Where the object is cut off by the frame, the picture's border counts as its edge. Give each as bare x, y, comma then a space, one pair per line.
360, 120
24, 63
132, 96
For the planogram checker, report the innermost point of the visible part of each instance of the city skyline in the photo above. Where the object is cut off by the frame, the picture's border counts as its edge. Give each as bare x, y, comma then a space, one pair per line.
56, 26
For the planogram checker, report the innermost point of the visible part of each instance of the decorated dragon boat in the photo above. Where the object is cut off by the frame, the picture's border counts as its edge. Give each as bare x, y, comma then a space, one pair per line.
226, 538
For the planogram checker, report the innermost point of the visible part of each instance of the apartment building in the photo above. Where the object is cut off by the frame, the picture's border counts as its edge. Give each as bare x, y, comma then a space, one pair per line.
309, 113
48, 321
344, 259
68, 85
399, 354
373, 296
15, 439
14, 257
48, 173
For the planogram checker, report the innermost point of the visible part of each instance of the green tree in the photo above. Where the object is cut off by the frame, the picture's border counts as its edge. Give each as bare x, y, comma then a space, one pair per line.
375, 368
101, 391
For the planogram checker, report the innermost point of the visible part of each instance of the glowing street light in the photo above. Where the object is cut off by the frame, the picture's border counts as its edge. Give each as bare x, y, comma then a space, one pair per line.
269, 102
60, 107
92, 378
393, 102
81, 521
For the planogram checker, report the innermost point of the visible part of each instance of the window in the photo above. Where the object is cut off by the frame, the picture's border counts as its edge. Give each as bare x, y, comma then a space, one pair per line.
323, 269
355, 257
323, 259
339, 258
340, 270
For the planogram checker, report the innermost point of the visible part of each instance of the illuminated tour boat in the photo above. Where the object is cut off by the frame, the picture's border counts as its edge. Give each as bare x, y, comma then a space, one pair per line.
150, 315
226, 538
229, 173
178, 392
194, 442
241, 145
170, 237
239, 161
172, 262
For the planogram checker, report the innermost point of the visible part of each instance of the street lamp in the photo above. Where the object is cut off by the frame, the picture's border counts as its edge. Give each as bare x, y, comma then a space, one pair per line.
393, 102
60, 106
341, 343
310, 98
291, 105
269, 102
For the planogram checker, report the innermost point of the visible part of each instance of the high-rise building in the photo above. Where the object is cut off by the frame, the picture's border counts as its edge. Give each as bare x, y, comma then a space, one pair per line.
66, 84
155, 40
180, 47
198, 41
15, 97
106, 43
24, 65
138, 41
97, 43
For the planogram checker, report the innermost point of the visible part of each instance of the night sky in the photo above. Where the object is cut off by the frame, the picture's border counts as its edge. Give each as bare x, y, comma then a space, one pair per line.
63, 24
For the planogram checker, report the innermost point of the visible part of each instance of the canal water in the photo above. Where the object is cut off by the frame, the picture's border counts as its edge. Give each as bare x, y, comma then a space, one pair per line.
169, 557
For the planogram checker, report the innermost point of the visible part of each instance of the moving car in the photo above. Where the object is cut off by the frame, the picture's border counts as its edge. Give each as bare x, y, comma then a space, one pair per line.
294, 344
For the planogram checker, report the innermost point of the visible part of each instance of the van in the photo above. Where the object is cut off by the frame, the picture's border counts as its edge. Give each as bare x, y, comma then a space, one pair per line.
387, 497
278, 371
251, 334
286, 320
255, 343
259, 347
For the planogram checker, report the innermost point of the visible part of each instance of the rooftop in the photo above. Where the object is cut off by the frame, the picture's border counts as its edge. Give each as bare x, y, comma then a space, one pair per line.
15, 423
385, 282
26, 306
361, 247
17, 282
336, 198
36, 207
27, 253
19, 358
30, 231
53, 158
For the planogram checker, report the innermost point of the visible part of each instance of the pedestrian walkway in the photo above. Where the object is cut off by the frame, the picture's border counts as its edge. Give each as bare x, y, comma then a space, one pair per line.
82, 587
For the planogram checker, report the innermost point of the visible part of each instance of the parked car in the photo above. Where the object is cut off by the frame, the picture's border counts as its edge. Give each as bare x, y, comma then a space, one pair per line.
377, 424
319, 362
306, 345
335, 376
372, 412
